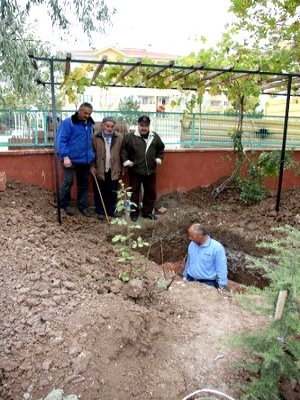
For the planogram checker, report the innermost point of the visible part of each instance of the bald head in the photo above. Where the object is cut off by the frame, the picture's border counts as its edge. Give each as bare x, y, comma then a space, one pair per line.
197, 233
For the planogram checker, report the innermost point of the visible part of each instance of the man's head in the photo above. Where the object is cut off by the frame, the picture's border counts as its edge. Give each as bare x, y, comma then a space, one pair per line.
197, 233
144, 124
108, 125
84, 111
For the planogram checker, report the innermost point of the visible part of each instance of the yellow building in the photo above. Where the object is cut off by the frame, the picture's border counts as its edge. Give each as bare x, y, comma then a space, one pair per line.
276, 106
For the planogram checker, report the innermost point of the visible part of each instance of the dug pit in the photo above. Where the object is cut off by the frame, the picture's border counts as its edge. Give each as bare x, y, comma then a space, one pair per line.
169, 243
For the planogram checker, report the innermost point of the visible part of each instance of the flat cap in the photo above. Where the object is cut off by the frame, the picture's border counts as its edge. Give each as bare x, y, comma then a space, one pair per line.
144, 119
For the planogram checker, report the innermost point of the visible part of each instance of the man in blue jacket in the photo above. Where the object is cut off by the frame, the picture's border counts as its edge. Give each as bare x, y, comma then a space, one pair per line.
206, 261
74, 146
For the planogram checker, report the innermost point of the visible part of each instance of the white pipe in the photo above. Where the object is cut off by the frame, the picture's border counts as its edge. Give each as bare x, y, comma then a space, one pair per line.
212, 391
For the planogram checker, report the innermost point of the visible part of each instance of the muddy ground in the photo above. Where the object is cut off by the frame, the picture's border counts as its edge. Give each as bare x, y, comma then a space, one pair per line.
68, 322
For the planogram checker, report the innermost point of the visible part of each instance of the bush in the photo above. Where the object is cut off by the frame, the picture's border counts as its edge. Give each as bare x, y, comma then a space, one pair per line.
275, 352
252, 192
252, 188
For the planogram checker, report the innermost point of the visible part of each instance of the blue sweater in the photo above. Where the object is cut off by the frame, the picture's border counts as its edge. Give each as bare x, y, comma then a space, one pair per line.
207, 261
74, 139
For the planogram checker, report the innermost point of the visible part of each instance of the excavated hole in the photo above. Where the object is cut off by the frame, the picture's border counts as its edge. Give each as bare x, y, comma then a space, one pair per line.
171, 248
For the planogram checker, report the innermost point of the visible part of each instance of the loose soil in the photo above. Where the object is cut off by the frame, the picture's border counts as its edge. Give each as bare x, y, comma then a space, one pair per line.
68, 322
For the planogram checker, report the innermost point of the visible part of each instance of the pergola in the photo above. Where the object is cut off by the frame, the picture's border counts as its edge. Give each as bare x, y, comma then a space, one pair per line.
273, 83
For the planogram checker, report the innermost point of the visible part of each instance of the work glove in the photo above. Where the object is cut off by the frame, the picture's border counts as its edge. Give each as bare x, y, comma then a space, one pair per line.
128, 163
158, 161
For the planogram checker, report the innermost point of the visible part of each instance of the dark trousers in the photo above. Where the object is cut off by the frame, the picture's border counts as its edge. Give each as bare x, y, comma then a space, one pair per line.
109, 192
210, 282
82, 172
149, 197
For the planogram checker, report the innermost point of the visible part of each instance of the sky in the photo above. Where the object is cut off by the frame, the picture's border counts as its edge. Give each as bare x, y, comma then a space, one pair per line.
168, 26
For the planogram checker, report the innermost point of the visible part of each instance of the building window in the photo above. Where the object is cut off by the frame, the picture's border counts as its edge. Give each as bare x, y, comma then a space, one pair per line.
163, 100
86, 98
146, 100
215, 103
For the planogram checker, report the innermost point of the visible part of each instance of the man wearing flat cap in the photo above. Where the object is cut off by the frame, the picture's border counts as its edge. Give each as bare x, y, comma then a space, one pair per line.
142, 151
107, 167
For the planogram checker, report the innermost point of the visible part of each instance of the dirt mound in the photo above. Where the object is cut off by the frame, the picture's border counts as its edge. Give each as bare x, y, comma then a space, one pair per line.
69, 323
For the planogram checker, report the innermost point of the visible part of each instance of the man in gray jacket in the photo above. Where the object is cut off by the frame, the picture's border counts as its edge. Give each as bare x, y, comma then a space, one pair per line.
141, 152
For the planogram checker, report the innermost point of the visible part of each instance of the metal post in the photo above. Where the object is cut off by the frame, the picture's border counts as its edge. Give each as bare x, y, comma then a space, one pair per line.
286, 119
45, 125
193, 130
54, 113
36, 133
200, 123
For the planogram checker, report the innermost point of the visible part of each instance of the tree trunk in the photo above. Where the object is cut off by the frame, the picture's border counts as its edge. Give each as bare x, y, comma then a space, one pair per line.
239, 151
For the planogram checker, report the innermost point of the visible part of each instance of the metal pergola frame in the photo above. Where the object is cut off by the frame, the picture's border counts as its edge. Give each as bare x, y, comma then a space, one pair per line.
276, 80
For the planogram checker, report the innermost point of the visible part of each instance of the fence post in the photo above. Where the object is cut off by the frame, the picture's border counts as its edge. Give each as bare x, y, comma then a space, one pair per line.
45, 127
35, 130
200, 127
193, 130
280, 304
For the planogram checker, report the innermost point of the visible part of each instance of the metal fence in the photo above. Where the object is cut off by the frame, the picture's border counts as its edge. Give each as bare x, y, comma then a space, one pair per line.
34, 129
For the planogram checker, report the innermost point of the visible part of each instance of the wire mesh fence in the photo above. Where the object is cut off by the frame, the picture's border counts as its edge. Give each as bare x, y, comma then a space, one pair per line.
34, 129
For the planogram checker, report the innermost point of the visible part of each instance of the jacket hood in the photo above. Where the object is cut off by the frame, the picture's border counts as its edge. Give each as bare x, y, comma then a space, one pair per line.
76, 120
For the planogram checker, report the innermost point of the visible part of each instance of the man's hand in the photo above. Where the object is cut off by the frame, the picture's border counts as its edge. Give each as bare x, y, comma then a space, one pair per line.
222, 289
93, 170
67, 162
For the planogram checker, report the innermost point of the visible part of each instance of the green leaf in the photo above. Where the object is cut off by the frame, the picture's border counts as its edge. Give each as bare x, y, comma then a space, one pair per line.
162, 283
116, 238
124, 275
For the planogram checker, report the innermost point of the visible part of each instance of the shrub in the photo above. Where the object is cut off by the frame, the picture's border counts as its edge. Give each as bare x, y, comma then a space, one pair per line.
252, 187
275, 351
128, 240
